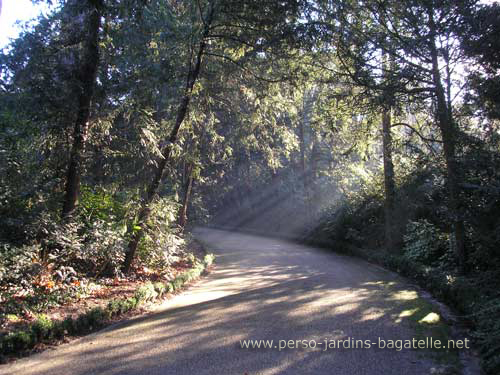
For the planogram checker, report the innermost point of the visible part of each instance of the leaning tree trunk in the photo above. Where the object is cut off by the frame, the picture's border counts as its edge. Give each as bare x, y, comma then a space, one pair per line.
87, 77
448, 130
145, 211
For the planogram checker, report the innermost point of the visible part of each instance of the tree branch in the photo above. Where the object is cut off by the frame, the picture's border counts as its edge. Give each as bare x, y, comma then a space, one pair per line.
416, 132
243, 68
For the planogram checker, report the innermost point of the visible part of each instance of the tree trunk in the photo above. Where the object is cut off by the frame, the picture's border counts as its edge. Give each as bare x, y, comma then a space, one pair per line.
303, 158
313, 176
87, 77
389, 185
187, 196
449, 134
144, 211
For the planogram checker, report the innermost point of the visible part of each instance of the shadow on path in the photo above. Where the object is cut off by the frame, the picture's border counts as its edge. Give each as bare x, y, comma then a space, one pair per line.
261, 289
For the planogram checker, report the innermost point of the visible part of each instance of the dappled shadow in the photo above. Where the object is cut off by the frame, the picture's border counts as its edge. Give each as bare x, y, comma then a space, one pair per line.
261, 289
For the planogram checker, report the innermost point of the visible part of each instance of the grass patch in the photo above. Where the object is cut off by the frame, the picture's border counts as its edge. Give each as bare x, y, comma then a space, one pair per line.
426, 321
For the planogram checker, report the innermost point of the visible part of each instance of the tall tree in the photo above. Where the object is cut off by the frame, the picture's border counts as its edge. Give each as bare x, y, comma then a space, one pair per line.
478, 32
86, 75
389, 184
387, 146
449, 135
192, 76
417, 36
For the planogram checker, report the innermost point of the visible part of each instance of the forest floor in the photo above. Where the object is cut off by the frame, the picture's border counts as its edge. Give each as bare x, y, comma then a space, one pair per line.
99, 293
268, 289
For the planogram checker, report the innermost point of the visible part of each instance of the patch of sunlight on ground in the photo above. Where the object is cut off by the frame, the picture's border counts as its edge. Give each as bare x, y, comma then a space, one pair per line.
385, 283
371, 314
406, 314
404, 295
431, 318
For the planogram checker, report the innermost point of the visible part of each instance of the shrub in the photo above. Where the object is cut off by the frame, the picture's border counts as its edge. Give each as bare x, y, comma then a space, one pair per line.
100, 205
59, 241
17, 341
488, 334
161, 243
146, 293
102, 251
42, 327
96, 317
69, 326
16, 265
177, 283
130, 303
209, 259
424, 243
160, 288
170, 287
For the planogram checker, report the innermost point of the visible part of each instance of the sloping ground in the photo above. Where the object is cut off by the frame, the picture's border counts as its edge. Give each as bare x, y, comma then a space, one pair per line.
260, 289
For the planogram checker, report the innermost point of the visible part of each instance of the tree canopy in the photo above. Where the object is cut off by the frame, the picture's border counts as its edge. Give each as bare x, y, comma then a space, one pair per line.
354, 124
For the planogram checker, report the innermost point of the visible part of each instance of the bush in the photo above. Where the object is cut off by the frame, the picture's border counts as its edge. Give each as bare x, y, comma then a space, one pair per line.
424, 243
160, 288
45, 329
100, 205
161, 243
17, 341
96, 317
42, 327
59, 241
488, 334
146, 293
16, 265
170, 287
209, 259
103, 250
178, 283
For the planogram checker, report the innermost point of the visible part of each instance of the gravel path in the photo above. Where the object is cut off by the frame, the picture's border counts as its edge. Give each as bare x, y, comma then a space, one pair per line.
260, 289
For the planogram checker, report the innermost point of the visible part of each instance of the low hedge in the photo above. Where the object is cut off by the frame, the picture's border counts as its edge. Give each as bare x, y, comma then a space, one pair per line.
46, 330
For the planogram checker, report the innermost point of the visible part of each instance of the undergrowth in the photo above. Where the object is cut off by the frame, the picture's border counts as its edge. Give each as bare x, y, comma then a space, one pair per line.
48, 331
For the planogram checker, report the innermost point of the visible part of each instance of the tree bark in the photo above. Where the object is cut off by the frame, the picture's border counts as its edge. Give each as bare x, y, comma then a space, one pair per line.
313, 176
303, 158
389, 185
138, 231
305, 176
448, 130
187, 196
87, 77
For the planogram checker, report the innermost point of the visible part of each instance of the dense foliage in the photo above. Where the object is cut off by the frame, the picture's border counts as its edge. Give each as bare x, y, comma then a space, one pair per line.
369, 127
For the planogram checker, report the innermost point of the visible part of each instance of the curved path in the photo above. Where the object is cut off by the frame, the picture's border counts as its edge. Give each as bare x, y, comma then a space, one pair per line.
261, 289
